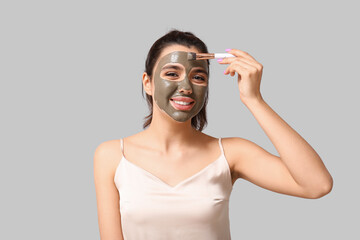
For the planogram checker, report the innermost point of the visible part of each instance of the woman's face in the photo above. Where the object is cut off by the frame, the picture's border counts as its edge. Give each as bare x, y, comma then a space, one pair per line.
180, 85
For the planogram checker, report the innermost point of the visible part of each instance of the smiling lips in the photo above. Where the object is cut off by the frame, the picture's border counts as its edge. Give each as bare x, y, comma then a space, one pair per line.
182, 103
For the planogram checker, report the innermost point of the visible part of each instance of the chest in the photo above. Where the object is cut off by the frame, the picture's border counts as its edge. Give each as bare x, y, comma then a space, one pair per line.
172, 169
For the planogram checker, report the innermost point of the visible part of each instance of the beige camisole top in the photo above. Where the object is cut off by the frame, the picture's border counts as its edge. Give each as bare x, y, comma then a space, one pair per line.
196, 208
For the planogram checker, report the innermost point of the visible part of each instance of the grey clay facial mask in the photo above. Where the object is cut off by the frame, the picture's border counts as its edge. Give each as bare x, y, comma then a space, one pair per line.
170, 81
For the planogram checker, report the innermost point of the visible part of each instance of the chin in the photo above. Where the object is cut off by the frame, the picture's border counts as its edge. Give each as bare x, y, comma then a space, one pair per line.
180, 119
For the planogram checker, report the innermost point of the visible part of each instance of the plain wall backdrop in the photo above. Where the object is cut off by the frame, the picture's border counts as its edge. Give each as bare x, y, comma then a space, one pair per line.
71, 78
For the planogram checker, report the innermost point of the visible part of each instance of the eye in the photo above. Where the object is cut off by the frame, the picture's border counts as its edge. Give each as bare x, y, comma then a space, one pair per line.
171, 74
199, 78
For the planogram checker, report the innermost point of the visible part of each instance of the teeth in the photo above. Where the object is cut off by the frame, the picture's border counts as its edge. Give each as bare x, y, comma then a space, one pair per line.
182, 103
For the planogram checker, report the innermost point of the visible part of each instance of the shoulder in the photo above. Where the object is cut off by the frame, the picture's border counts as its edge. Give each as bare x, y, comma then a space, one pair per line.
107, 155
233, 143
108, 148
236, 148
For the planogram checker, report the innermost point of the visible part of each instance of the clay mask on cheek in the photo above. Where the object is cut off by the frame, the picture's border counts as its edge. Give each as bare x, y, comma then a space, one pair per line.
166, 89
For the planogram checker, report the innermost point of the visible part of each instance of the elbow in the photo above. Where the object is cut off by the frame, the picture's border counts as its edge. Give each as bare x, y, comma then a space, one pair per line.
326, 189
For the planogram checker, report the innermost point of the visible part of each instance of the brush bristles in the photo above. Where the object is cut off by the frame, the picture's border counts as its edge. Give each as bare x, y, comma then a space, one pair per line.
200, 56
191, 56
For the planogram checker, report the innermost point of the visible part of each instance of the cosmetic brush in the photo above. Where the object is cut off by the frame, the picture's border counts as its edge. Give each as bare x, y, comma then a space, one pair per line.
201, 56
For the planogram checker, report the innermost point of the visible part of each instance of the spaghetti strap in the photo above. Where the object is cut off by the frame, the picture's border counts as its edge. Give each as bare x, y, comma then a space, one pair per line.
221, 147
121, 146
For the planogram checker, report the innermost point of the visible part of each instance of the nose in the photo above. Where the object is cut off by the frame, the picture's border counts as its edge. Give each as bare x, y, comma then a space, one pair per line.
186, 91
185, 86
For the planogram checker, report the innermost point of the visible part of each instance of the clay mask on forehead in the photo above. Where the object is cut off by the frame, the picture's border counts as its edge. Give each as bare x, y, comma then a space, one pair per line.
185, 80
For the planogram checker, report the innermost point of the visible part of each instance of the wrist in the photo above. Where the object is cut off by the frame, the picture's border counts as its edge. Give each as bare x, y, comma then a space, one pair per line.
253, 100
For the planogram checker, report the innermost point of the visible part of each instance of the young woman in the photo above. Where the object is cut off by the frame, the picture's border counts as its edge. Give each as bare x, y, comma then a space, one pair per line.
171, 181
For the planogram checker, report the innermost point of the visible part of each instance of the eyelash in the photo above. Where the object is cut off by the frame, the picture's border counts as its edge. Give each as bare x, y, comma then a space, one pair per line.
202, 78
172, 74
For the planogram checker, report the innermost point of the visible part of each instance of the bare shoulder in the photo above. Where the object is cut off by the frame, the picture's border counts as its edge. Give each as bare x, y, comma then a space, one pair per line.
235, 149
108, 146
107, 155
235, 144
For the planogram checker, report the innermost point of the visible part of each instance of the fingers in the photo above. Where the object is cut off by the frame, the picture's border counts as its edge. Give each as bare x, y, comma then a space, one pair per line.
234, 59
241, 57
242, 68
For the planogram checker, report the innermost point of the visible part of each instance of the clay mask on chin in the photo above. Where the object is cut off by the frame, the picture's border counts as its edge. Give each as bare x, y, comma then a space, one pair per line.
165, 89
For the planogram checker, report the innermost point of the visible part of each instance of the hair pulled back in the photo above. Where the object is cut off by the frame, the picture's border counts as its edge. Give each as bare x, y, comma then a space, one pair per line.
174, 37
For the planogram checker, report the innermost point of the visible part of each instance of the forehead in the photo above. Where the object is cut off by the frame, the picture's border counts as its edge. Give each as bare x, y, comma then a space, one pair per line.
181, 57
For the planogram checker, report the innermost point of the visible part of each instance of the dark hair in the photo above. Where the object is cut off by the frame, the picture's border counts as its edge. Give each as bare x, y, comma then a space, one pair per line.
173, 37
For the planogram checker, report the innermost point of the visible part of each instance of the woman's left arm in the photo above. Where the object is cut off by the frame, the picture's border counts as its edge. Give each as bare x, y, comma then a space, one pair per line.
302, 161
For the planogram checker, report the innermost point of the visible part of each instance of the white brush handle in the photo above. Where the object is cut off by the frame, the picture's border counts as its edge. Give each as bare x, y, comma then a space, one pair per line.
223, 55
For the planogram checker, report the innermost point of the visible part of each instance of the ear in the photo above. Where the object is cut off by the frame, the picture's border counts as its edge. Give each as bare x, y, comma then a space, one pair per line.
147, 83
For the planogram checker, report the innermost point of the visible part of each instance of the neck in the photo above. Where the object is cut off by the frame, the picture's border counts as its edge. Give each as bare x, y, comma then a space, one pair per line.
169, 134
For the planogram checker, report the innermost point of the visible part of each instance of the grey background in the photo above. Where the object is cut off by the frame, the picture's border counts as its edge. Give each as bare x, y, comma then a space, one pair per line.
71, 78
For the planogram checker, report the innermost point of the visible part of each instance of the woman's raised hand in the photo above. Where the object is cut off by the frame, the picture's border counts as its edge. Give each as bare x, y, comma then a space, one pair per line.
249, 73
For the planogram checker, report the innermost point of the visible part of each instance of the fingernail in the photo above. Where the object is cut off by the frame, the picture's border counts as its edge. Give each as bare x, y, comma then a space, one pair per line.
225, 72
227, 49
220, 59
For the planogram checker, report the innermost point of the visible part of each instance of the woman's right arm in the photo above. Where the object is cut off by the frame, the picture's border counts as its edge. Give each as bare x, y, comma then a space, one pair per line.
107, 195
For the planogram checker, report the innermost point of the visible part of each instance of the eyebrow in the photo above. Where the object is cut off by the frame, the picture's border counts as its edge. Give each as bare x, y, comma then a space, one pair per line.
201, 70
171, 67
